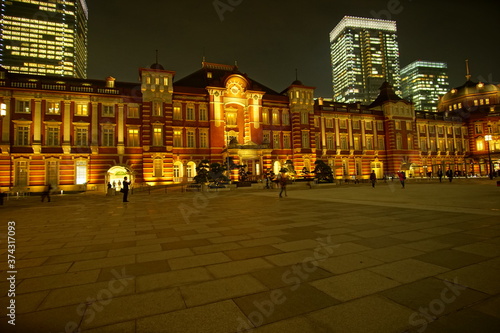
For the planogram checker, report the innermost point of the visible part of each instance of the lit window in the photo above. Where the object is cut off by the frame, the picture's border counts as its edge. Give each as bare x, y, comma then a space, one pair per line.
231, 118
368, 125
355, 124
177, 138
177, 113
397, 124
53, 108
157, 136
133, 137
81, 172
357, 144
343, 123
480, 144
157, 167
82, 110
265, 117
133, 112
275, 118
157, 109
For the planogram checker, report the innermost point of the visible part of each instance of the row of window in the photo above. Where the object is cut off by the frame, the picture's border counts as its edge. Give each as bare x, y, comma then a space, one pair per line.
21, 172
107, 110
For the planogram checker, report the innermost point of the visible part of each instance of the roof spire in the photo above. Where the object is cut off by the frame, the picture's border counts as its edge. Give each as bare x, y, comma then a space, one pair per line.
203, 59
467, 76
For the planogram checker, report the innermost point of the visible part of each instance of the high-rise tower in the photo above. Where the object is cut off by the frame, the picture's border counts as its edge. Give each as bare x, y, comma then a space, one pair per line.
44, 37
364, 54
423, 82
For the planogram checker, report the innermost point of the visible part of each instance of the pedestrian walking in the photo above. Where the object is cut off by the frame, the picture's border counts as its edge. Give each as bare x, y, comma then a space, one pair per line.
373, 178
125, 189
402, 178
440, 175
282, 182
449, 174
46, 193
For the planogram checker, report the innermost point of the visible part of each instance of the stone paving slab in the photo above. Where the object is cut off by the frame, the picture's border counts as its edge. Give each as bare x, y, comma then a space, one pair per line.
333, 259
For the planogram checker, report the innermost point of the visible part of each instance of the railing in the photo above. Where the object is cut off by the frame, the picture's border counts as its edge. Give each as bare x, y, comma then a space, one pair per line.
60, 87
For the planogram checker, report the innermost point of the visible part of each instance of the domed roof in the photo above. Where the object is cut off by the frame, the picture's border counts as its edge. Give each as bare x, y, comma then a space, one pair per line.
157, 66
470, 88
297, 83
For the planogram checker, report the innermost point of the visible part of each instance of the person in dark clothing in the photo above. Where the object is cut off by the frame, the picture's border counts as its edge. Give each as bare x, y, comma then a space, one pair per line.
402, 178
440, 175
282, 182
125, 188
449, 174
46, 193
373, 178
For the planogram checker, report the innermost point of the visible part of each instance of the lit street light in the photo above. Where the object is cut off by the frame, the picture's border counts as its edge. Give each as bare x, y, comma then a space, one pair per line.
488, 138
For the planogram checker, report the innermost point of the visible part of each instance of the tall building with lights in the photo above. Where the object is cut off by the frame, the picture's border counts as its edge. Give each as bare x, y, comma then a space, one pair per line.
424, 82
364, 54
44, 37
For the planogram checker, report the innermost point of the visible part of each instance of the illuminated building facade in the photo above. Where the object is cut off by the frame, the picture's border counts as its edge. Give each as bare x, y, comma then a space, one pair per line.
44, 37
81, 133
424, 82
364, 53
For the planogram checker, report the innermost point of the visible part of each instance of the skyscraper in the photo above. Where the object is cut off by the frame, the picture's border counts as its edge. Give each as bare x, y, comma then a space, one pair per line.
364, 53
44, 37
423, 82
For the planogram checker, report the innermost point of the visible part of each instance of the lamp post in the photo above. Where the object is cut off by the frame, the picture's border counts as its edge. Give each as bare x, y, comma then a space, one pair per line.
488, 139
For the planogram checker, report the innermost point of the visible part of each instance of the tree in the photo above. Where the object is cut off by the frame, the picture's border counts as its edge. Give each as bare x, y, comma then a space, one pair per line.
202, 172
323, 172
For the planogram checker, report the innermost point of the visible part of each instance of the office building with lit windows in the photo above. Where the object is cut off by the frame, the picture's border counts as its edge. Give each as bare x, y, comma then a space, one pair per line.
424, 83
44, 37
364, 53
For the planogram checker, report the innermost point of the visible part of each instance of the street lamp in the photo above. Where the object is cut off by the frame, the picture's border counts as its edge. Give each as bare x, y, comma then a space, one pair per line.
488, 138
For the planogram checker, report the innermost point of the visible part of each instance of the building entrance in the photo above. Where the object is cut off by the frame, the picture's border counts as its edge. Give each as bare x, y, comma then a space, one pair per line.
115, 176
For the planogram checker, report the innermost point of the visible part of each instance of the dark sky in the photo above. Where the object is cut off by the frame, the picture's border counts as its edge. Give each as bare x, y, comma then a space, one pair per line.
270, 39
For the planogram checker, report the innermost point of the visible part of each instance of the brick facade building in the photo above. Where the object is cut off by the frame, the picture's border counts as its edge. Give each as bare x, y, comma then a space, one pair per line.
77, 133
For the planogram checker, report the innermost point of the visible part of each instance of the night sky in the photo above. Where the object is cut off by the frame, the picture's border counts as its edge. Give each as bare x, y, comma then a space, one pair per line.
270, 39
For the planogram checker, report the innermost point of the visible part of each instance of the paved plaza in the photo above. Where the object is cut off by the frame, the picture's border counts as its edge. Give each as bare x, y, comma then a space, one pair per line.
334, 258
